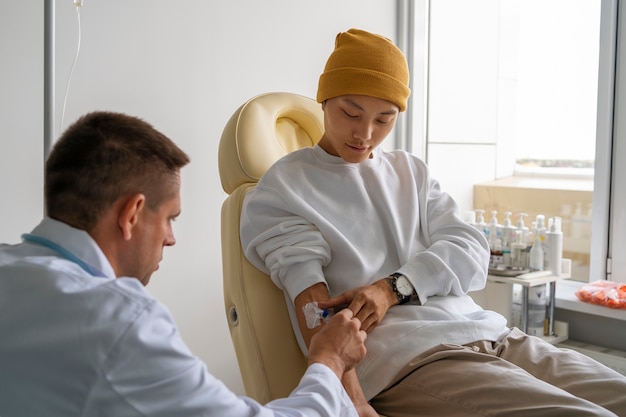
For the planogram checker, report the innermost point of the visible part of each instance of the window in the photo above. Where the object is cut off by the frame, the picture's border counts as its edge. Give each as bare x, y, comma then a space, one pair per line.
517, 96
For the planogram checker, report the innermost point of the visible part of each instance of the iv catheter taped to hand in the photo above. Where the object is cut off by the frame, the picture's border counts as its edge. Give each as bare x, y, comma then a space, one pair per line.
315, 315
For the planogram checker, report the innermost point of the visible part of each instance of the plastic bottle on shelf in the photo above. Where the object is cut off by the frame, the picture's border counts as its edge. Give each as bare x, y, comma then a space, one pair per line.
521, 226
495, 241
554, 238
530, 236
540, 227
494, 227
540, 231
496, 259
508, 237
518, 251
535, 262
546, 244
480, 222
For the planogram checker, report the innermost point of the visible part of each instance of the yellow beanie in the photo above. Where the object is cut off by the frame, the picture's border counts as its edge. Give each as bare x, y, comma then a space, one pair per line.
366, 64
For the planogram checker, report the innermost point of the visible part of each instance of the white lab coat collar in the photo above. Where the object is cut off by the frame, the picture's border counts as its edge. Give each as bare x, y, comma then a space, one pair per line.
76, 241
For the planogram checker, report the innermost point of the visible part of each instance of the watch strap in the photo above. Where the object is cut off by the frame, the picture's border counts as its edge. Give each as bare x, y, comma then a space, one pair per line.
402, 299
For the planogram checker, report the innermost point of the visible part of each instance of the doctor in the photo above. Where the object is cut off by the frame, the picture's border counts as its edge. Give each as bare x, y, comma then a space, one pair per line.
80, 334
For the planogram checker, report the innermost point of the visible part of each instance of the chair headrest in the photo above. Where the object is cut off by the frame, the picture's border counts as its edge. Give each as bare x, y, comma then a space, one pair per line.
263, 130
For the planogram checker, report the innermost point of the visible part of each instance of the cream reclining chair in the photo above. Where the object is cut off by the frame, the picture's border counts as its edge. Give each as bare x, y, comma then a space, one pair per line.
260, 132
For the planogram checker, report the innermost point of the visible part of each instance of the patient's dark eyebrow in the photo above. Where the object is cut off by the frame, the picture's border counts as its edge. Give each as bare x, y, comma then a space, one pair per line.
392, 112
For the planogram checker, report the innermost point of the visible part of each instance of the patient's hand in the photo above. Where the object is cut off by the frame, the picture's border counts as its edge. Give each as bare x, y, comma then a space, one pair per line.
339, 344
369, 304
366, 410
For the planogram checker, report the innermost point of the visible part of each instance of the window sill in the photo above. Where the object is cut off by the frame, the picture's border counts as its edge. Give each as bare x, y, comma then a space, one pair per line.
551, 183
565, 298
562, 173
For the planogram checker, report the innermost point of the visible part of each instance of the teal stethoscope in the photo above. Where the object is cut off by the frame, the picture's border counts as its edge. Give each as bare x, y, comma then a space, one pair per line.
42, 241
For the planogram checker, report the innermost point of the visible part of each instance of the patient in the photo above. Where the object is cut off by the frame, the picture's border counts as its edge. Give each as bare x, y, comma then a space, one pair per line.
346, 222
80, 336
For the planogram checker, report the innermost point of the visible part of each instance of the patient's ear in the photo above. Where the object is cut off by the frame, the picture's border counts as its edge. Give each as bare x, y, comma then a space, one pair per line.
129, 214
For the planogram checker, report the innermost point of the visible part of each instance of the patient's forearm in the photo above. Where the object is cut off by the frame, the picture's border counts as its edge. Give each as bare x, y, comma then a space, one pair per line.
319, 292
315, 293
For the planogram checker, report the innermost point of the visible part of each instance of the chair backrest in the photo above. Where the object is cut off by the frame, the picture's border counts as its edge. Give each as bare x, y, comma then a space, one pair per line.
261, 131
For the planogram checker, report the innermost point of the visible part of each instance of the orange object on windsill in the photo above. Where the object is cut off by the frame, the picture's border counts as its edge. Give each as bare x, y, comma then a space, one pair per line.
605, 293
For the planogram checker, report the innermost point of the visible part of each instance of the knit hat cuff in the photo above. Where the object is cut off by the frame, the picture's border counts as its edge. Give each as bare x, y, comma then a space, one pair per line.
342, 81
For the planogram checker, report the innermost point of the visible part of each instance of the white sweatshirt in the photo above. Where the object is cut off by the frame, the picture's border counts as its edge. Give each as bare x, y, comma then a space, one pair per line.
315, 218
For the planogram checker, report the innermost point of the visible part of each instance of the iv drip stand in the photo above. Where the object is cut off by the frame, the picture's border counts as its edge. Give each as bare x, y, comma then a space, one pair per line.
48, 80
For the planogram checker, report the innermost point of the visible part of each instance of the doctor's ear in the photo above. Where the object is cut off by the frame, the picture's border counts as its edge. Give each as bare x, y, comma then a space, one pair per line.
129, 213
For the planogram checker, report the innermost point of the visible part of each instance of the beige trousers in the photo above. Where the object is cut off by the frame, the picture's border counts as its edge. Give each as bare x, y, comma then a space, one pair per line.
519, 375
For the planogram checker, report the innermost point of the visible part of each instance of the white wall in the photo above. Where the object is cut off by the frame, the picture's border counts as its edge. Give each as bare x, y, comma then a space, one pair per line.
184, 67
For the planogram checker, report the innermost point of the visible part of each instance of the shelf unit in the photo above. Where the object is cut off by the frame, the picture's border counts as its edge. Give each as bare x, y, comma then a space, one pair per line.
557, 332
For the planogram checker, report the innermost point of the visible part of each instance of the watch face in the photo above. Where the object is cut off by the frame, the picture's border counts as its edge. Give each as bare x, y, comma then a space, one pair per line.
404, 286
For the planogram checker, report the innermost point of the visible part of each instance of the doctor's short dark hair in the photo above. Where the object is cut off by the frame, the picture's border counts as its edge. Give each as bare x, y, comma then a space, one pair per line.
104, 156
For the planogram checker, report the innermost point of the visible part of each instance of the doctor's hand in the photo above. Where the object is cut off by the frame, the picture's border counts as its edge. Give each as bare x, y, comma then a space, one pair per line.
340, 344
369, 303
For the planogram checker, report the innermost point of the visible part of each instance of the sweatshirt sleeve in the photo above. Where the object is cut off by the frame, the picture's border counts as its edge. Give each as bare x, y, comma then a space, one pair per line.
281, 243
455, 258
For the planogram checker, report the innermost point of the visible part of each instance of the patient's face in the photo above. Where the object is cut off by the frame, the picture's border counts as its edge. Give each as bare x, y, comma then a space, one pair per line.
355, 125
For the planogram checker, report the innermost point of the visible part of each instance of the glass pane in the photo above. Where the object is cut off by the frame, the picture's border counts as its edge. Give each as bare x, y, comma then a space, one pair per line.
517, 79
557, 48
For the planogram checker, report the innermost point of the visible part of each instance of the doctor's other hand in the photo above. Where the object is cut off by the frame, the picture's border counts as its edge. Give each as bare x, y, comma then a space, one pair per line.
340, 344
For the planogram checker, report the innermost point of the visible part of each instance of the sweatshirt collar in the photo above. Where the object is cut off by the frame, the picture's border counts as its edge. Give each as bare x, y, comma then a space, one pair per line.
327, 158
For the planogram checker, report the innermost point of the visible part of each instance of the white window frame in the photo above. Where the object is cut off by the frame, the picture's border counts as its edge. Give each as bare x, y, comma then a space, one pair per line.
609, 197
615, 266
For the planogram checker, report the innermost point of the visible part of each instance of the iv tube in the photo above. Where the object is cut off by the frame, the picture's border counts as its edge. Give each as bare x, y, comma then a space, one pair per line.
78, 4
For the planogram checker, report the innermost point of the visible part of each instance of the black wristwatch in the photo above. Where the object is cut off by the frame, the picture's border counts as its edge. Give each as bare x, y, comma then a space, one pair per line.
403, 288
